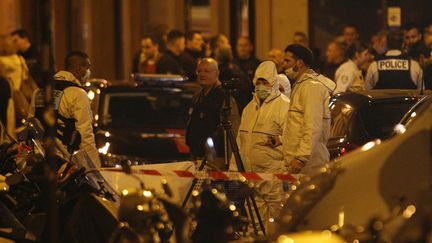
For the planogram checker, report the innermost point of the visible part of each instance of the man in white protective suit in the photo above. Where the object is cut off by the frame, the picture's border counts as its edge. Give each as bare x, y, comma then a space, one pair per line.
261, 126
307, 128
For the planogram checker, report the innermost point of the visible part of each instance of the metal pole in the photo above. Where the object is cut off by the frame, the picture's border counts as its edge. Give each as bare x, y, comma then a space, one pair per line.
47, 56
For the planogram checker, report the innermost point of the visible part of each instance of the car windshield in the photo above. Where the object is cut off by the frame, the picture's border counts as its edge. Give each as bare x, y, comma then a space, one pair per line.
416, 110
380, 118
146, 109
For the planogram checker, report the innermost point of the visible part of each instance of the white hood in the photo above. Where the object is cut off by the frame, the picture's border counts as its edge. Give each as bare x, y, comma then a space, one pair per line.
267, 70
285, 83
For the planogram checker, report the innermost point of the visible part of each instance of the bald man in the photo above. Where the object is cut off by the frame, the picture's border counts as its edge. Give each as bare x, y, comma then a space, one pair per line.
277, 56
205, 111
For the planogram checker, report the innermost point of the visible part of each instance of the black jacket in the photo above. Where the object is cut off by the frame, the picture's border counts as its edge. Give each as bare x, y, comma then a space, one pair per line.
394, 72
189, 60
204, 120
169, 63
248, 66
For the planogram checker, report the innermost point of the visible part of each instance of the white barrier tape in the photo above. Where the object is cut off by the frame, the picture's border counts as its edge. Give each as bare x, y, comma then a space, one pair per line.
213, 175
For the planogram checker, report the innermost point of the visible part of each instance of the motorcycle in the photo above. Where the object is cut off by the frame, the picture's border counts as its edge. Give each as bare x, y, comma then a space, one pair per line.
82, 195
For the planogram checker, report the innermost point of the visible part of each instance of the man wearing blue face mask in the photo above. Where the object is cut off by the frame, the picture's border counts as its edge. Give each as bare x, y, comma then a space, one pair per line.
259, 134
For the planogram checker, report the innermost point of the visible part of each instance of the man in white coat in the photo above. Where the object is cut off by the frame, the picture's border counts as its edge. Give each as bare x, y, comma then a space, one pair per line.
259, 135
72, 106
307, 127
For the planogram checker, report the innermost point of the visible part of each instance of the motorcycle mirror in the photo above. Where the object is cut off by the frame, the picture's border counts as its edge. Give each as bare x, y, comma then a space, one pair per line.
36, 125
34, 129
126, 166
74, 142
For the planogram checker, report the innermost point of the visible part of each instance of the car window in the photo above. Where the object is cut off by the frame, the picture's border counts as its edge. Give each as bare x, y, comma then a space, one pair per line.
416, 111
380, 118
145, 109
341, 114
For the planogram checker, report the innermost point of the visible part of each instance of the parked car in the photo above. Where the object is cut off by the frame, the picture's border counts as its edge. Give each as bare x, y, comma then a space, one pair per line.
145, 121
93, 88
368, 189
419, 108
359, 117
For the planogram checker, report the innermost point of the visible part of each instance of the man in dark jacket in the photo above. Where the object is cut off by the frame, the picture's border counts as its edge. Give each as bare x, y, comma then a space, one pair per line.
245, 58
205, 111
236, 78
169, 63
191, 55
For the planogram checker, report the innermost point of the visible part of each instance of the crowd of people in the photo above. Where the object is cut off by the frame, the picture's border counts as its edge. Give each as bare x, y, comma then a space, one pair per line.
279, 111
346, 59
285, 122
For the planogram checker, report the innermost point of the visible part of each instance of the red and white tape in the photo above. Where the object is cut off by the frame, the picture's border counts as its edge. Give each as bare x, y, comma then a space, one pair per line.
212, 175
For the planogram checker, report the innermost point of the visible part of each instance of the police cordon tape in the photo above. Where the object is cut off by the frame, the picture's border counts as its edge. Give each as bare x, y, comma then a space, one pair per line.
212, 175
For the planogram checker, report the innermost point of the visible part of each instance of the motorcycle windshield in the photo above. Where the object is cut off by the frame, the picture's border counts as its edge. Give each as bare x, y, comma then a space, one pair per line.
94, 177
82, 159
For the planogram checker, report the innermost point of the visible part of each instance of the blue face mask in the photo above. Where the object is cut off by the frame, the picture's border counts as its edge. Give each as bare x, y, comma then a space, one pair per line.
262, 91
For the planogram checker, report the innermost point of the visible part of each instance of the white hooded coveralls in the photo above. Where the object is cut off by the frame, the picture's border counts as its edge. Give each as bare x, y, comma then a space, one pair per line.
258, 123
307, 128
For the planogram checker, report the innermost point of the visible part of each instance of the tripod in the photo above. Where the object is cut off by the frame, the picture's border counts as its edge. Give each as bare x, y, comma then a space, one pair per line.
230, 144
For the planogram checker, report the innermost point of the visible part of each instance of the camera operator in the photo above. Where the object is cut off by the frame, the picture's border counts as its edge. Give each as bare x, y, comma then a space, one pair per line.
259, 134
204, 115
